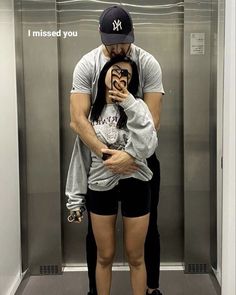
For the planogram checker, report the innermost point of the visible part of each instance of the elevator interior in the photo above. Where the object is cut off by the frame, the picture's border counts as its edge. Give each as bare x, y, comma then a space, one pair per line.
182, 36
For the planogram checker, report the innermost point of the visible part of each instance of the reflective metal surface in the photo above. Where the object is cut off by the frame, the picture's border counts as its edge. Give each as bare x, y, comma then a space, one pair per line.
199, 142
40, 56
186, 138
213, 136
21, 135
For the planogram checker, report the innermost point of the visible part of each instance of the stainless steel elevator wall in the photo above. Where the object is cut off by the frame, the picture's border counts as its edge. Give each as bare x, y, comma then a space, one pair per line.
40, 60
21, 134
199, 133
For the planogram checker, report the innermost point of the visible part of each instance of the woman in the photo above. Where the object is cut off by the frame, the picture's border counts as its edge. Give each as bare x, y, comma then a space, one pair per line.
124, 123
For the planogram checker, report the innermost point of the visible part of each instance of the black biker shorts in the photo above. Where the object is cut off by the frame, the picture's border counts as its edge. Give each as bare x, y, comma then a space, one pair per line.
134, 195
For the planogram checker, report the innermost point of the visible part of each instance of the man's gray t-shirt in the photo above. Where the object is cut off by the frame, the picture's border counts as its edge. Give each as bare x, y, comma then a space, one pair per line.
87, 71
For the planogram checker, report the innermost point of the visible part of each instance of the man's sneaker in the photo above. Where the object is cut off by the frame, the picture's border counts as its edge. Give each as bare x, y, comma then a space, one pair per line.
155, 292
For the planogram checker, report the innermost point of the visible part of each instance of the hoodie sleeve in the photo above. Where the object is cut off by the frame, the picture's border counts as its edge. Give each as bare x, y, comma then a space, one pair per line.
143, 140
77, 181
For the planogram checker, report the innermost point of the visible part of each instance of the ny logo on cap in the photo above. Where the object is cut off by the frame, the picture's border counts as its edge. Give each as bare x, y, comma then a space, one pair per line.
117, 25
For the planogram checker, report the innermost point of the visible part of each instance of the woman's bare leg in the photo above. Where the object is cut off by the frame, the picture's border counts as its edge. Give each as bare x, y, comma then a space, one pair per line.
104, 233
135, 231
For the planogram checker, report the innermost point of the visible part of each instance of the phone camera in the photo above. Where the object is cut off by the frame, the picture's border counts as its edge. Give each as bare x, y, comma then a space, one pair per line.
124, 72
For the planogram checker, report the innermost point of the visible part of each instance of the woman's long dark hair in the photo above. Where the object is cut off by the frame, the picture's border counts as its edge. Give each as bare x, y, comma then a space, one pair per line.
100, 100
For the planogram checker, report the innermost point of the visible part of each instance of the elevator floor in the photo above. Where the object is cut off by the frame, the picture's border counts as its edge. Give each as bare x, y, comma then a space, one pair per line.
75, 283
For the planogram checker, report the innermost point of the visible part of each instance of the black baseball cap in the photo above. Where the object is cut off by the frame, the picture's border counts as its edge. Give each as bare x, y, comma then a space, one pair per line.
116, 26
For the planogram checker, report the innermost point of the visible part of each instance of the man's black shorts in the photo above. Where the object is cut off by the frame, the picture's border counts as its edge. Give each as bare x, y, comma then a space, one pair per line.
133, 194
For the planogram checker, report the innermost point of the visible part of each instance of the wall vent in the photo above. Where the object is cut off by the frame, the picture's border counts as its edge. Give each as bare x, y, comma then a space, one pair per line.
196, 268
49, 269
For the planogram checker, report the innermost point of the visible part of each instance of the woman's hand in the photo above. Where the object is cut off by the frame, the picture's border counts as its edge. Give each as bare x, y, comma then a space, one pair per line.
75, 216
119, 95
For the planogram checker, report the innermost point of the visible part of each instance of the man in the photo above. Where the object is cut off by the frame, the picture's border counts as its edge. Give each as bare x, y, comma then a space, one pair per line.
116, 29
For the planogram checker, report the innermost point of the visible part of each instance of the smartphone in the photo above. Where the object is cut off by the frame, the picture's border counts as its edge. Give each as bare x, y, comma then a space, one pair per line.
119, 76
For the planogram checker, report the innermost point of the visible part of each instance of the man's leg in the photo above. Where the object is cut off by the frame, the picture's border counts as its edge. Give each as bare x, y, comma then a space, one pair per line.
91, 255
152, 243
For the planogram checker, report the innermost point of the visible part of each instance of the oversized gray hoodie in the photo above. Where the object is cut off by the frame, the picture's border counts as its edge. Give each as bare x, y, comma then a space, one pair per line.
139, 139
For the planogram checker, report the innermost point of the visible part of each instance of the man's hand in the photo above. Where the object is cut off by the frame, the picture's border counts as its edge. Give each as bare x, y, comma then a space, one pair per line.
120, 162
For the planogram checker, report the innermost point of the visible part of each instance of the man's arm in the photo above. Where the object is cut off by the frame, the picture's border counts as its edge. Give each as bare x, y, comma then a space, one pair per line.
79, 111
154, 103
